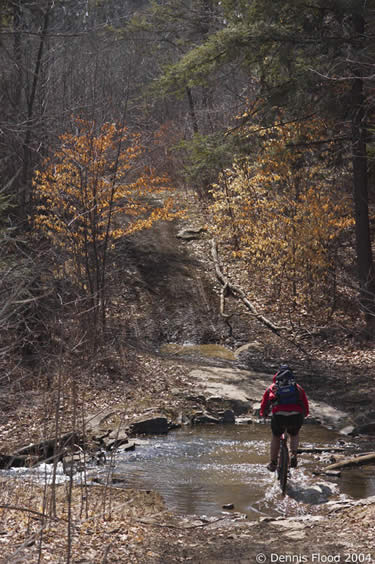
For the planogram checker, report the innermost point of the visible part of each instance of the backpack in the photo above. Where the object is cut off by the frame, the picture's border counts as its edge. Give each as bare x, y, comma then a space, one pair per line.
285, 388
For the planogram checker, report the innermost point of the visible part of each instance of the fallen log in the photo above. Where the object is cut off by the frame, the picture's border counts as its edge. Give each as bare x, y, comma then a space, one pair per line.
46, 451
238, 293
48, 447
354, 461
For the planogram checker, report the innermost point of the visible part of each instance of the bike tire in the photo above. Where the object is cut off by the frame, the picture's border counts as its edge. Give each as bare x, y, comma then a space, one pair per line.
283, 467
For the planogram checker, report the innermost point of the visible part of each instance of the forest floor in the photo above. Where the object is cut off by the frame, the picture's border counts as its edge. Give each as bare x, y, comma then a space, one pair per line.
101, 524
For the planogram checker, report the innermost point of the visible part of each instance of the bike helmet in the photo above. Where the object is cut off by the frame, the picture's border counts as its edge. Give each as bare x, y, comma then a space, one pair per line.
284, 375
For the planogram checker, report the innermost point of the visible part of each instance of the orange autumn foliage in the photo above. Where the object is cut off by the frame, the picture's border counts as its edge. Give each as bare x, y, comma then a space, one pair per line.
93, 191
283, 210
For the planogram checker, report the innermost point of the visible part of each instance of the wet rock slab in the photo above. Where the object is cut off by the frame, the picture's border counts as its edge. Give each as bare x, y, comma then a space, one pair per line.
243, 390
236, 387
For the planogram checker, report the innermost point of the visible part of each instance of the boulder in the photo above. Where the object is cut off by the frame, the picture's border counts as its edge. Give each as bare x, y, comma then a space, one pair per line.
333, 473
115, 439
312, 420
256, 409
173, 425
348, 430
227, 416
149, 425
243, 420
130, 445
315, 494
73, 463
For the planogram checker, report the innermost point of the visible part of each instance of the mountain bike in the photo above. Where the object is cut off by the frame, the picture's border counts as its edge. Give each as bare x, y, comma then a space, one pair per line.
283, 462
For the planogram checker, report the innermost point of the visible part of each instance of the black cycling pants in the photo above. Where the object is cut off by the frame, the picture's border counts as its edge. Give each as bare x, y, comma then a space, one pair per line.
291, 423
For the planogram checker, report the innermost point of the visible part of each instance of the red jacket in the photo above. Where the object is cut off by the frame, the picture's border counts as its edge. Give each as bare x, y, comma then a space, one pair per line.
269, 396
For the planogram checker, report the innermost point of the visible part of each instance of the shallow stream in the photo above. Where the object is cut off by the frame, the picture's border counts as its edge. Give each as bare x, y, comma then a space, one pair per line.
200, 469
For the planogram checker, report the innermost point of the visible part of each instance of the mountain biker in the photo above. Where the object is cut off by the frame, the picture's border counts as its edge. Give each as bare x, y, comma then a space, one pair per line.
288, 413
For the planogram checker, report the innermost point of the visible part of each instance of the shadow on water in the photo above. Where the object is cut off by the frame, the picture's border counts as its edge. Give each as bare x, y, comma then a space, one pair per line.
198, 470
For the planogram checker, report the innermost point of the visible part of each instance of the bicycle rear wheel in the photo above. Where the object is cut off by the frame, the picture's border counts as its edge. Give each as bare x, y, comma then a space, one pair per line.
283, 466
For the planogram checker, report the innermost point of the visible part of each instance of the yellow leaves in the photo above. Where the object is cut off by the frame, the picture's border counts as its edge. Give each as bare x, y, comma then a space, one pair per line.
93, 178
280, 210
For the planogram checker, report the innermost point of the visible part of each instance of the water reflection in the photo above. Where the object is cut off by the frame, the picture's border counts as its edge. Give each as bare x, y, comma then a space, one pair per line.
358, 482
200, 469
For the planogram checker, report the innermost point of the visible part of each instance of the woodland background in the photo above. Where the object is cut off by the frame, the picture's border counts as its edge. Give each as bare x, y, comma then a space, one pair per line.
116, 115
252, 121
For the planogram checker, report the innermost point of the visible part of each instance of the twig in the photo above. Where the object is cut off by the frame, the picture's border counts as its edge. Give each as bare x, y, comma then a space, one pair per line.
28, 542
27, 510
105, 554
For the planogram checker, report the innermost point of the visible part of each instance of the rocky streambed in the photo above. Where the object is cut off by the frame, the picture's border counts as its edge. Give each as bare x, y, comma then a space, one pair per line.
220, 436
215, 395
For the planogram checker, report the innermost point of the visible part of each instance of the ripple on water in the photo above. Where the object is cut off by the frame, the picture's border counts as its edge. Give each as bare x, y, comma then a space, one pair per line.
198, 470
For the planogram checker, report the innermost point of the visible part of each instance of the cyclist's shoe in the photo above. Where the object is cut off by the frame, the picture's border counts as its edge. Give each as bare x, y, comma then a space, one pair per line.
293, 461
272, 466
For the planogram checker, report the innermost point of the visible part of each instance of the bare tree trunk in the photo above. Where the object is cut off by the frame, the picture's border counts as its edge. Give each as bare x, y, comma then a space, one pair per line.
17, 25
360, 189
193, 116
26, 181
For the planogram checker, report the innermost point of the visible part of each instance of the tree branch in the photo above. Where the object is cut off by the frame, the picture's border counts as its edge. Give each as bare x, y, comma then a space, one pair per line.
238, 293
27, 510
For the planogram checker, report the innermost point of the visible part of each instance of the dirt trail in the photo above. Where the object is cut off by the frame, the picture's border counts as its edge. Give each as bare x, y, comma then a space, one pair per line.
171, 294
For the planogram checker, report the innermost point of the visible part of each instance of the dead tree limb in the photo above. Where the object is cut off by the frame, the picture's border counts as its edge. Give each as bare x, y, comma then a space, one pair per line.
223, 292
354, 461
237, 292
